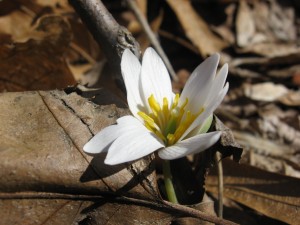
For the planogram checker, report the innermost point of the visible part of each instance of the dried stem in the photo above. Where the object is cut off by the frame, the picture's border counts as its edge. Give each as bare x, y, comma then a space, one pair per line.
198, 214
152, 38
180, 210
220, 184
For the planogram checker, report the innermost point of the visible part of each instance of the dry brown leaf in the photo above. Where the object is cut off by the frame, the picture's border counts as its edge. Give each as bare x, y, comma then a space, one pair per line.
88, 74
282, 66
268, 91
41, 211
272, 194
225, 30
18, 17
41, 152
245, 26
278, 124
42, 147
262, 145
37, 63
196, 28
292, 98
17, 24
56, 5
62, 211
267, 28
74, 209
270, 49
115, 213
281, 20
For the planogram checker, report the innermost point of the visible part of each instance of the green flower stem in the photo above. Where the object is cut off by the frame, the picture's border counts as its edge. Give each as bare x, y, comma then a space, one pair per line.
168, 182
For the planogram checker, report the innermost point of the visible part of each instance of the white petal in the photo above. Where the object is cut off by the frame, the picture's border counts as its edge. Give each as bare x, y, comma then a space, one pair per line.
131, 70
155, 78
218, 83
191, 145
202, 128
216, 101
102, 140
210, 108
198, 85
128, 121
132, 145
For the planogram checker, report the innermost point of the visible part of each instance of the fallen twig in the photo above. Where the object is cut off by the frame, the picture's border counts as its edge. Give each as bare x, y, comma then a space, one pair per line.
145, 25
179, 209
111, 37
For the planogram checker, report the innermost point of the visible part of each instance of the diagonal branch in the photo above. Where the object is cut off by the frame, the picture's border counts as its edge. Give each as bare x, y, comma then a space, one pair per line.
179, 210
152, 38
111, 37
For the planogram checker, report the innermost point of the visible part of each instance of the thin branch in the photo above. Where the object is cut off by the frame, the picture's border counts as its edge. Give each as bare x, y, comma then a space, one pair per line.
198, 214
111, 37
178, 40
152, 38
180, 210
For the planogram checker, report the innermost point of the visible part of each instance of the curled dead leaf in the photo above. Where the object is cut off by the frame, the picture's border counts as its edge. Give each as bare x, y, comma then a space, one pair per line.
227, 144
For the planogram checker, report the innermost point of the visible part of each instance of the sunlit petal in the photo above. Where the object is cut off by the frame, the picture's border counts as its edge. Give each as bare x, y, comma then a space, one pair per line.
132, 145
191, 145
218, 84
155, 78
131, 70
210, 108
102, 140
128, 121
202, 128
197, 87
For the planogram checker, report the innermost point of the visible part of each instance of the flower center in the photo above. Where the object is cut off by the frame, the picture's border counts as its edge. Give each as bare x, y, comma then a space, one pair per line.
168, 123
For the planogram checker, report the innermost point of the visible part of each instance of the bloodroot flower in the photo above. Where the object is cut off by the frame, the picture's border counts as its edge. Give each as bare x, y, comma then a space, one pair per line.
172, 124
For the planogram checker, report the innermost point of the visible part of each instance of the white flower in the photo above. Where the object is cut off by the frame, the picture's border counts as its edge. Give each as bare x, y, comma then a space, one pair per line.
174, 125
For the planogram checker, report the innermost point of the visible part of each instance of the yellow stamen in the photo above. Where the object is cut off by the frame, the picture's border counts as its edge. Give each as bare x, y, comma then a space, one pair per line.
160, 135
175, 102
147, 119
166, 107
155, 107
168, 122
182, 110
149, 127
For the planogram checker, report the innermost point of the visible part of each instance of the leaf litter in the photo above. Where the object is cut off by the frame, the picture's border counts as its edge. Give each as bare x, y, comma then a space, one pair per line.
44, 46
